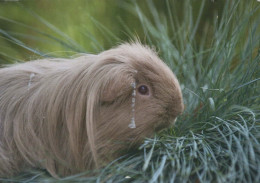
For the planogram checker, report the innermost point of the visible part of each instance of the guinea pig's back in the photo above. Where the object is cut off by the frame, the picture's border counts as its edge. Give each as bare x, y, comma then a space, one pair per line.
16, 80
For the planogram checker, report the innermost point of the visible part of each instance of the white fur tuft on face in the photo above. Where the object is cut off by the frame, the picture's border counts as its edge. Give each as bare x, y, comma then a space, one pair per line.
132, 123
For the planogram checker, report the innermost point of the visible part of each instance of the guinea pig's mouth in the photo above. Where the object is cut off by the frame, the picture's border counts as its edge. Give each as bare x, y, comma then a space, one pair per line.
165, 124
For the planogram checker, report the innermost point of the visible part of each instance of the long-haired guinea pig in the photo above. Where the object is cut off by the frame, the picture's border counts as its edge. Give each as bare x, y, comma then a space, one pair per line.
71, 115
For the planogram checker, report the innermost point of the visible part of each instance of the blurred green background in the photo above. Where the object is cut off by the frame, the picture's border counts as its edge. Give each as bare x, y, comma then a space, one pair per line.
65, 27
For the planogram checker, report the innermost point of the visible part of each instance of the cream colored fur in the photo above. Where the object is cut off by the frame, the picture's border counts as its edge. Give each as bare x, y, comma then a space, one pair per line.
71, 115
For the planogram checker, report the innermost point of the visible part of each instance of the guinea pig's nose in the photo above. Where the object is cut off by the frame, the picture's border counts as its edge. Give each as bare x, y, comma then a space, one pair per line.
175, 109
181, 107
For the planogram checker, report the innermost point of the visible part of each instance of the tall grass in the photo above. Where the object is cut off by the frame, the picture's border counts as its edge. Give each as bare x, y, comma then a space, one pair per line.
217, 139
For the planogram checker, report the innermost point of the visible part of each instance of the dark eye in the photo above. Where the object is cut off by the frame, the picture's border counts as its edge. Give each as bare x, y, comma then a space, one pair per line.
143, 90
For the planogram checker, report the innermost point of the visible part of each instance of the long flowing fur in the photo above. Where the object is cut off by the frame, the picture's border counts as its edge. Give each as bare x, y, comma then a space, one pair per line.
71, 115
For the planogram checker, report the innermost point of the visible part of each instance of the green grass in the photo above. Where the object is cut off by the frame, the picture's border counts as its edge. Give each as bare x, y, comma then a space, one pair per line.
217, 139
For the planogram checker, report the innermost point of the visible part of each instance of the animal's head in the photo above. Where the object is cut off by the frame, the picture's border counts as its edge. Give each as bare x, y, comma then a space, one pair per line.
139, 95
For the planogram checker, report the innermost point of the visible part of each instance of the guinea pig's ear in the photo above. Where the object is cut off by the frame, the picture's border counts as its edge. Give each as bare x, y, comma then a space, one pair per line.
117, 86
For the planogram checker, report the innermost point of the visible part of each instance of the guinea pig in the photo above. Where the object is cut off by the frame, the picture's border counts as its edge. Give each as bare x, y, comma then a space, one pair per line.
71, 115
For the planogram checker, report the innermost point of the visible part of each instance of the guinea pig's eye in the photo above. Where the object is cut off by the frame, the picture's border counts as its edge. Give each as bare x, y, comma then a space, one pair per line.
143, 90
